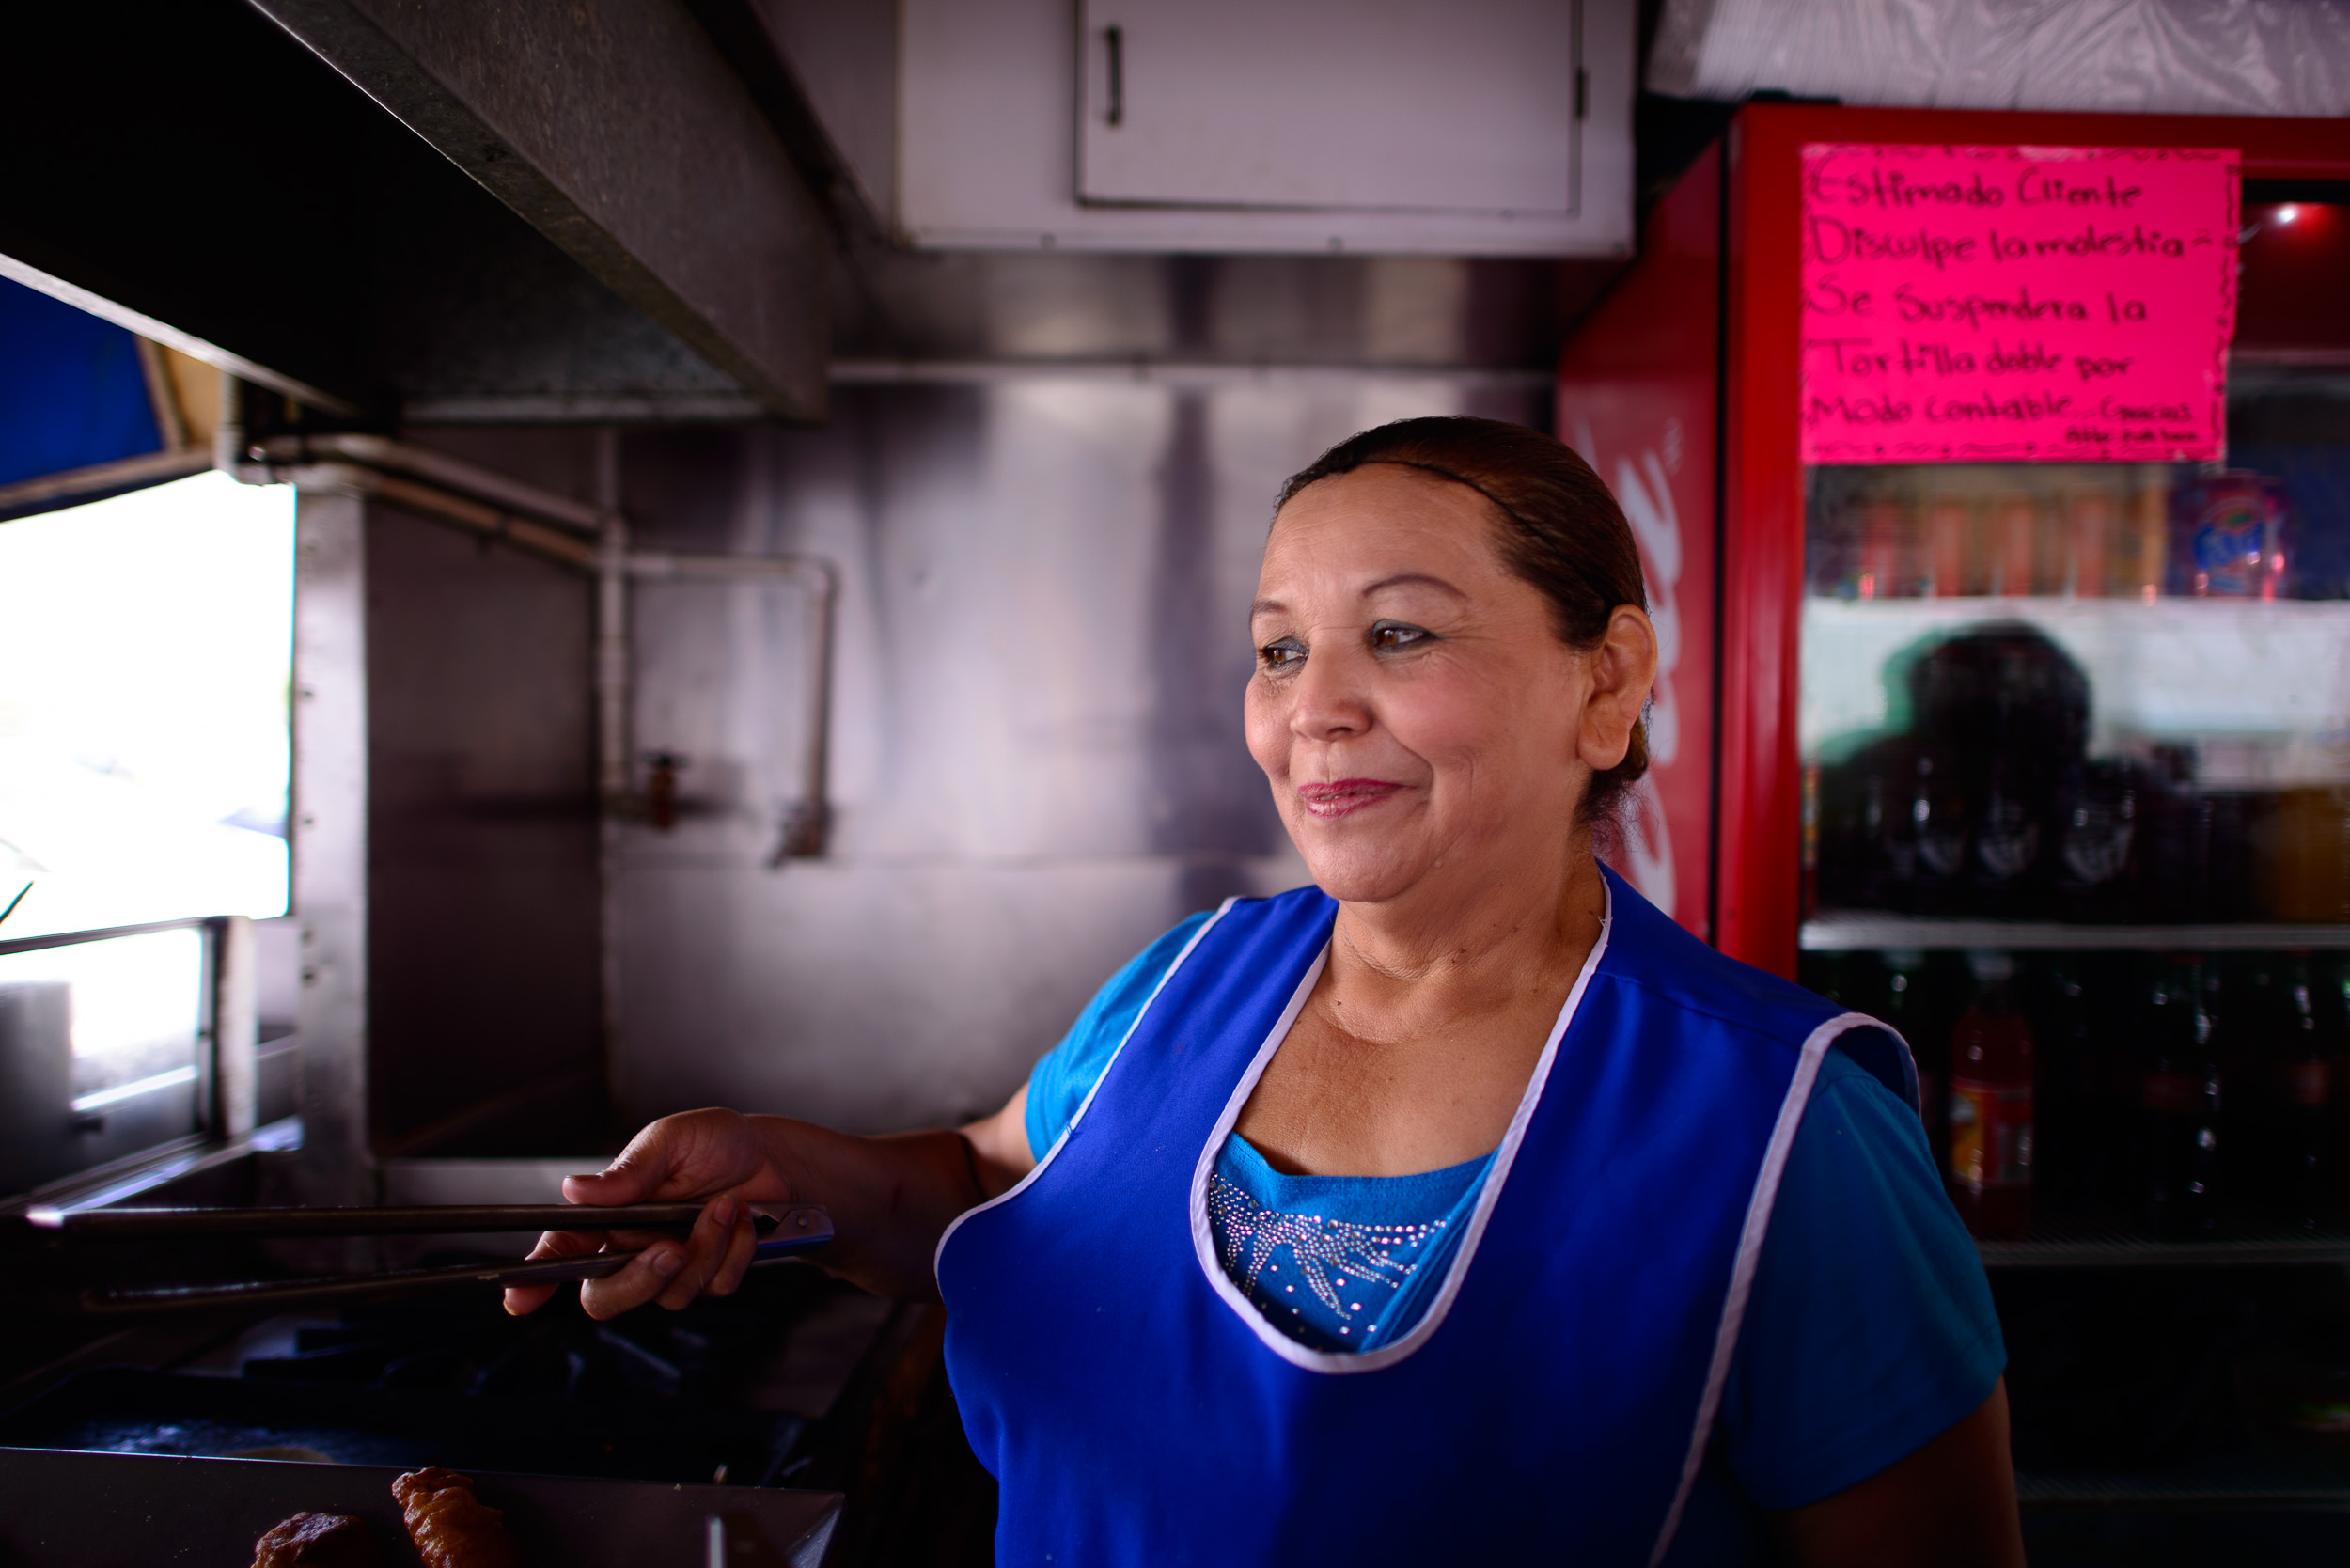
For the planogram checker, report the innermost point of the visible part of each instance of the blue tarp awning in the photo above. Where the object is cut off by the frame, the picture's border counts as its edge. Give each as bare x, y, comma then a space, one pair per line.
74, 394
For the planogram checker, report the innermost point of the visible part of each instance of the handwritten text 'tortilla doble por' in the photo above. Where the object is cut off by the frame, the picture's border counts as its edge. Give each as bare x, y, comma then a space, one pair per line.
2045, 304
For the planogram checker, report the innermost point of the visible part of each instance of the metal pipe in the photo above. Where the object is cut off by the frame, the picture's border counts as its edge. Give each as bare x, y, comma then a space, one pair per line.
232, 1087
423, 462
353, 479
612, 636
808, 827
496, 505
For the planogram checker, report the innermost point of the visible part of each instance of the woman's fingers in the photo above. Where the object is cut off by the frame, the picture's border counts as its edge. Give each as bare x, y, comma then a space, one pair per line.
609, 1189
740, 1245
521, 1300
706, 1250
714, 1258
691, 1154
643, 1277
687, 1155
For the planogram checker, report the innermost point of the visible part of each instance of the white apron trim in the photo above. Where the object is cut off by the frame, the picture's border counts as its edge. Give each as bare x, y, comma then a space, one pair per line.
1791, 1111
1037, 1169
1203, 1237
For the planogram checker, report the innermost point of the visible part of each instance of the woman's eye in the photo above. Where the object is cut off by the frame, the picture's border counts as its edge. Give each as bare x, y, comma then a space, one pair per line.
1286, 653
1393, 637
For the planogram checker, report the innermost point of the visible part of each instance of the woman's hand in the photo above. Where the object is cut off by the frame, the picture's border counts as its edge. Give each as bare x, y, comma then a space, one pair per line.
890, 1199
713, 1154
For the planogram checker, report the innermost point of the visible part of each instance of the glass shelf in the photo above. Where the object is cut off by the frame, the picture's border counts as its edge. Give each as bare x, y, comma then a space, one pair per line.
2202, 667
2093, 1243
2289, 1476
2265, 1466
1864, 933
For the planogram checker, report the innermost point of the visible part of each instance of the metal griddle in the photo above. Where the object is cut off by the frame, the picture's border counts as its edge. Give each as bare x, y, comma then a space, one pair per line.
64, 1510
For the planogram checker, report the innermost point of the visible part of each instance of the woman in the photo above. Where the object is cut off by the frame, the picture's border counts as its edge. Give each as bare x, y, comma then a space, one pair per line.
1460, 1206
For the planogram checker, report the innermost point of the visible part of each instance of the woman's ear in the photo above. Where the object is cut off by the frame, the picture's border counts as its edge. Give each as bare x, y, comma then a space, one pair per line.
1623, 668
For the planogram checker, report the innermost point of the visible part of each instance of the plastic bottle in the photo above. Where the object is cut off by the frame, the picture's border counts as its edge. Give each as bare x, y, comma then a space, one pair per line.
2065, 1106
2183, 1098
1991, 1104
1887, 525
2095, 817
2305, 1050
2015, 539
1904, 1010
1950, 523
1938, 812
2092, 518
2008, 839
2148, 537
2175, 859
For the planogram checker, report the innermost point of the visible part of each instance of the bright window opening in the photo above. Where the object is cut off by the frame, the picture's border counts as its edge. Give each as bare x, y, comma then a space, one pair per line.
145, 664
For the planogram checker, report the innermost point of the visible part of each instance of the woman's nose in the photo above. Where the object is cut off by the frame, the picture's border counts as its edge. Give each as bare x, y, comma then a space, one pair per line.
1327, 701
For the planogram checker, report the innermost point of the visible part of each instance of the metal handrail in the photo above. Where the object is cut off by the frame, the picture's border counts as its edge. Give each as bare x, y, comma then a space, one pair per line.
100, 933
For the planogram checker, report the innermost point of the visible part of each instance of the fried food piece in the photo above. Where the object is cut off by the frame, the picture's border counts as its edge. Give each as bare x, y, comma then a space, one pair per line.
449, 1525
316, 1541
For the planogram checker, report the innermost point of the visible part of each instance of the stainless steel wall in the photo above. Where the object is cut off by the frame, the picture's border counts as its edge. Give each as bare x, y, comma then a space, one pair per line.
483, 1023
1037, 756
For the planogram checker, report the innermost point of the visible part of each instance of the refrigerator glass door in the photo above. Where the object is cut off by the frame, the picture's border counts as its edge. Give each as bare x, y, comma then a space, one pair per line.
2076, 746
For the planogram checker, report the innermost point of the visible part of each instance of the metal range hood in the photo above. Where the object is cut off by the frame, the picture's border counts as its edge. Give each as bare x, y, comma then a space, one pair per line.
387, 211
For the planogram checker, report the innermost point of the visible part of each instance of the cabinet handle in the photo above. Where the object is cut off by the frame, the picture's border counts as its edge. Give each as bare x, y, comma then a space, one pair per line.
1114, 40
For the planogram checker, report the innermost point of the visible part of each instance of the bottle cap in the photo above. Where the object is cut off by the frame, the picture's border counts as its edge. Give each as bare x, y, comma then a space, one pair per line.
1991, 966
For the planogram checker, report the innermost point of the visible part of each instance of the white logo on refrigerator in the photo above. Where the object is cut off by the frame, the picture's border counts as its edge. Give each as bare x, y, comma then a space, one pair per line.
1647, 499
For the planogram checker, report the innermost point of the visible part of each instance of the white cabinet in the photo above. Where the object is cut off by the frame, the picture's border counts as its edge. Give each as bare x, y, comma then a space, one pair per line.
1399, 126
1376, 106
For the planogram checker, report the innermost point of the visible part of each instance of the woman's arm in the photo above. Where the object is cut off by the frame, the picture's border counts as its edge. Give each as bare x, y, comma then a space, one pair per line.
890, 1199
1952, 1504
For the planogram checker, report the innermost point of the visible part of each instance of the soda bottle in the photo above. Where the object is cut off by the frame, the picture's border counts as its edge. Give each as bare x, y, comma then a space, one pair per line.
2181, 1095
1949, 527
1884, 824
1828, 974
2109, 994
2176, 859
2146, 537
1991, 1104
1937, 808
2093, 514
1906, 1012
2015, 543
1887, 551
2311, 877
2065, 1107
2306, 1046
2258, 1019
2007, 834
1829, 549
2095, 817
1880, 874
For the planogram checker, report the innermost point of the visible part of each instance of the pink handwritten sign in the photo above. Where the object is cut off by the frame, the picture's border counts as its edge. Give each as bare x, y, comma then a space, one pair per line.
2048, 304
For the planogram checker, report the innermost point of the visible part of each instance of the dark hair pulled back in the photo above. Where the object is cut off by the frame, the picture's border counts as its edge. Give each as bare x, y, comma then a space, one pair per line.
1558, 528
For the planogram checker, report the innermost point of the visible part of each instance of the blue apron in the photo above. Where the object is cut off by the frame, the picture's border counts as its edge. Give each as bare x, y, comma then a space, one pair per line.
1558, 1395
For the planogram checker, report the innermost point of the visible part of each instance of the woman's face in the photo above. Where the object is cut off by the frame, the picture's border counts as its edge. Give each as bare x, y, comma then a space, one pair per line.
1413, 706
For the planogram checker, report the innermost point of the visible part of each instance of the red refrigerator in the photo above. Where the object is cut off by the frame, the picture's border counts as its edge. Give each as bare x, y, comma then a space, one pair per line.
1992, 476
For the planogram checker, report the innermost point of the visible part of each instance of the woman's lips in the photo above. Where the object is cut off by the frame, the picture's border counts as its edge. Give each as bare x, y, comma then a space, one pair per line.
1344, 797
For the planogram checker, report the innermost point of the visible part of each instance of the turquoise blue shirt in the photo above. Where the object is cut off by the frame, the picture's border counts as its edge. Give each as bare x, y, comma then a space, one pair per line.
1870, 1329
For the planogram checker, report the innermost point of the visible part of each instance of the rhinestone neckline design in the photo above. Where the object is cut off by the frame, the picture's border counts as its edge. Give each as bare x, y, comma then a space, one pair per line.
1326, 1253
